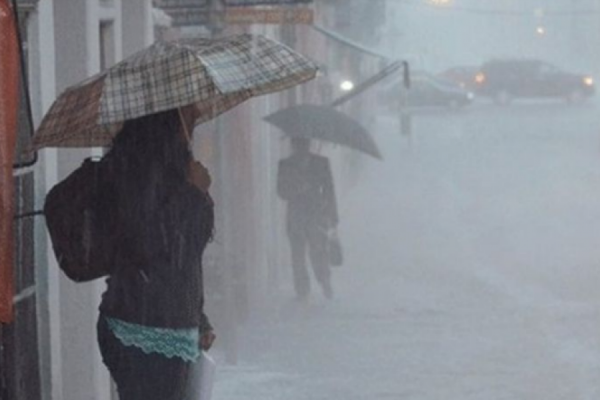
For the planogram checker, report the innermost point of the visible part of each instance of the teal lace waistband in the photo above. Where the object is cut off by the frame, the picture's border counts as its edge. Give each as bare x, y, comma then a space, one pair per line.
182, 343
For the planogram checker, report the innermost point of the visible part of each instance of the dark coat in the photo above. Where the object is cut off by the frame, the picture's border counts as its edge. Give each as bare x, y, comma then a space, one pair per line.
305, 182
166, 289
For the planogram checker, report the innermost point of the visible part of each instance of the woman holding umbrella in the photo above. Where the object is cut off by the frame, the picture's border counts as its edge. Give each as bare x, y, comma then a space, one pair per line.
152, 325
151, 318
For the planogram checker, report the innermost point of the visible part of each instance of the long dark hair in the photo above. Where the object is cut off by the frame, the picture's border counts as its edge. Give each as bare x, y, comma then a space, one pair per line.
149, 161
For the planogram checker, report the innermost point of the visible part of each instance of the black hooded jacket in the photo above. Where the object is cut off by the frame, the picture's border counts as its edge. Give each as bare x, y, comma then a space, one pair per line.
157, 273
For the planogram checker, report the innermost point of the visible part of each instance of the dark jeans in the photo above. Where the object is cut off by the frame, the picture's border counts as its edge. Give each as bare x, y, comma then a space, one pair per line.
312, 238
141, 376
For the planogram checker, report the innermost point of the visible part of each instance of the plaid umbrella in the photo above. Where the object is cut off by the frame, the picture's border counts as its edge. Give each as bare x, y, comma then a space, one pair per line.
213, 75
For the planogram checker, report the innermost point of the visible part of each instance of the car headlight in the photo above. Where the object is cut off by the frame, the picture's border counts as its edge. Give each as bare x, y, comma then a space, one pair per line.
347, 86
588, 81
470, 95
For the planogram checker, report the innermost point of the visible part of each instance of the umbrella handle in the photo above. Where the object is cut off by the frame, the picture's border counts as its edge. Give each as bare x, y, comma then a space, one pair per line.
186, 132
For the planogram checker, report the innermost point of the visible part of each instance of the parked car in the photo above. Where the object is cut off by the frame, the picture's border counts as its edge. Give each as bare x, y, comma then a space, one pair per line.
504, 80
462, 76
427, 90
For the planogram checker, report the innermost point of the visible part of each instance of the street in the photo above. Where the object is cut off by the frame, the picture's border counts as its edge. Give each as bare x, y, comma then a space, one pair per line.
472, 269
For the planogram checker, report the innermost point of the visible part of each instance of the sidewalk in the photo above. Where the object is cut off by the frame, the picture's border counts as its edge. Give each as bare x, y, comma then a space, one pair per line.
422, 311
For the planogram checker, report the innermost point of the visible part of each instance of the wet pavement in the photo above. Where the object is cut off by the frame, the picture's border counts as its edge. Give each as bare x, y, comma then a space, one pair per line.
472, 270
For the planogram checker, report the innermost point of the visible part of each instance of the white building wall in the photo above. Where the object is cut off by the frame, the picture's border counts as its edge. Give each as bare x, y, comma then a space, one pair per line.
42, 88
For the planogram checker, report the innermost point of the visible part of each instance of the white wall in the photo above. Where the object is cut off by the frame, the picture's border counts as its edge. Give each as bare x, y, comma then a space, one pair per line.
42, 91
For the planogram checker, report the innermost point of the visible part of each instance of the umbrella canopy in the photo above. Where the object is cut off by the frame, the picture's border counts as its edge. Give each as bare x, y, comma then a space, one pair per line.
213, 75
324, 123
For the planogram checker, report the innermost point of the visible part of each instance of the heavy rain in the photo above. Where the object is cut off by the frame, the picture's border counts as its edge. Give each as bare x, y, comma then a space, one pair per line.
299, 199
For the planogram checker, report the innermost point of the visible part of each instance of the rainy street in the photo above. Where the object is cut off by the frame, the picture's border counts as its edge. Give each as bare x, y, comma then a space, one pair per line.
332, 199
471, 269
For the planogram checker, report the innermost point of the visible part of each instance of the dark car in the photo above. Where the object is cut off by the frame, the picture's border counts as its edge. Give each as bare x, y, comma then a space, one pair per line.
462, 76
504, 80
427, 90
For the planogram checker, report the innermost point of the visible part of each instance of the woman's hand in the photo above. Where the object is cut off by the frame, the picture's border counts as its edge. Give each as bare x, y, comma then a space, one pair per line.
207, 339
199, 176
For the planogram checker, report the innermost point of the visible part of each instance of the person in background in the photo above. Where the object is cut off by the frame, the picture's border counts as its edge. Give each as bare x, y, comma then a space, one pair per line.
305, 183
152, 327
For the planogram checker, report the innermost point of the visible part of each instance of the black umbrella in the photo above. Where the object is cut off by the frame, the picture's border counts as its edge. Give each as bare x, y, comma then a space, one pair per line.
324, 123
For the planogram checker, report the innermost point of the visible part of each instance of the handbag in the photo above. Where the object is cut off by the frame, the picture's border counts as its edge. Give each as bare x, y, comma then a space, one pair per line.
334, 249
202, 378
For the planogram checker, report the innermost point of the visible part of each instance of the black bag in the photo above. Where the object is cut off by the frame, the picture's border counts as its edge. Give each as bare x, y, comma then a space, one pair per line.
76, 217
334, 250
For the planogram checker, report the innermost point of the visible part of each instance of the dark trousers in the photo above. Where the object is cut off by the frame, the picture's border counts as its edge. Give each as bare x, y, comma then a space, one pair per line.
305, 237
141, 376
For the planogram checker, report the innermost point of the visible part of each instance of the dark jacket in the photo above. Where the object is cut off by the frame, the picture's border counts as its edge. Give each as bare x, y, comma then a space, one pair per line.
163, 287
306, 183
